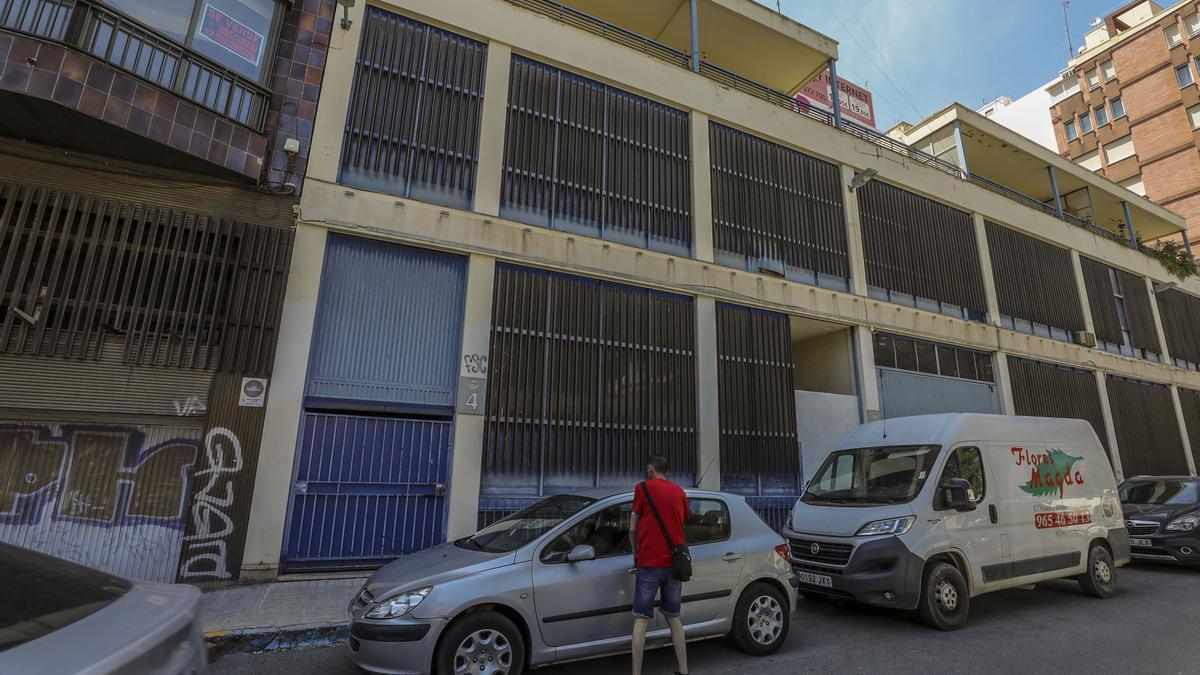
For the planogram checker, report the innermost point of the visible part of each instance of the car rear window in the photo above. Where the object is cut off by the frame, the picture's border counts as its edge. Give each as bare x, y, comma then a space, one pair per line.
40, 594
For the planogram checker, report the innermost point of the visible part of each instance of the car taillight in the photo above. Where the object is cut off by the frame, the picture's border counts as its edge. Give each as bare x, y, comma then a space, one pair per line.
784, 552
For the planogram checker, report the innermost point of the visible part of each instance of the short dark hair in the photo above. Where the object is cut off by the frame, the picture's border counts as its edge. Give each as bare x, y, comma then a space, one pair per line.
660, 465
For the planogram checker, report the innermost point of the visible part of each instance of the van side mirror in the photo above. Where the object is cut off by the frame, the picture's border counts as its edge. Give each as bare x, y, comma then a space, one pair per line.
955, 493
581, 552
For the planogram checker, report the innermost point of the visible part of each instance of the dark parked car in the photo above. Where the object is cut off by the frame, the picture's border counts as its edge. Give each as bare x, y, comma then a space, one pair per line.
1162, 514
60, 617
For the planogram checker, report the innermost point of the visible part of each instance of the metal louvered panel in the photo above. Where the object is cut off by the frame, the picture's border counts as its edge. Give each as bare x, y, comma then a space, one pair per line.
375, 345
1025, 268
412, 128
1147, 429
1189, 400
181, 289
921, 247
588, 380
585, 157
775, 208
760, 450
1180, 314
905, 393
1100, 297
1141, 316
1049, 390
110, 496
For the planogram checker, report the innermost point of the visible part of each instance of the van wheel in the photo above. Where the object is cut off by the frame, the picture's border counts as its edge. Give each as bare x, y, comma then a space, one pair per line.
945, 599
482, 642
1100, 579
761, 620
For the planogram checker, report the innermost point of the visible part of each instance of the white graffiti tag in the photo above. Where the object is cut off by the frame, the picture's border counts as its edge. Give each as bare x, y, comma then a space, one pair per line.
210, 519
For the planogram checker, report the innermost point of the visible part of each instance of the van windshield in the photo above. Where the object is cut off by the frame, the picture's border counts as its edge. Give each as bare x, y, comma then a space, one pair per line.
885, 475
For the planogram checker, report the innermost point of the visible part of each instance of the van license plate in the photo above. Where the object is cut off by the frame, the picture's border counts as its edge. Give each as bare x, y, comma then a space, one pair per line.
1140, 543
815, 579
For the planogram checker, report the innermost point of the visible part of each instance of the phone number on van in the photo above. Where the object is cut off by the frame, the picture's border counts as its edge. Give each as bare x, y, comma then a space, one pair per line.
1061, 519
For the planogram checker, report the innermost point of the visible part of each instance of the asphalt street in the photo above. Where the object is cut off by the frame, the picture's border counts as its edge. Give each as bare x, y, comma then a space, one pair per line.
1150, 627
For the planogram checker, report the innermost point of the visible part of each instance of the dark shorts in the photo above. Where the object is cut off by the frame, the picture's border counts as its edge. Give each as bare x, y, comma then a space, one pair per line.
650, 580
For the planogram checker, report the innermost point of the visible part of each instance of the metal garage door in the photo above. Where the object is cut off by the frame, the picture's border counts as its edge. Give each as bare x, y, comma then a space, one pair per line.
374, 452
905, 393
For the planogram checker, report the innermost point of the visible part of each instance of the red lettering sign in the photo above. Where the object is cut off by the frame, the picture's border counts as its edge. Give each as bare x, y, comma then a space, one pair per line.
231, 34
1053, 519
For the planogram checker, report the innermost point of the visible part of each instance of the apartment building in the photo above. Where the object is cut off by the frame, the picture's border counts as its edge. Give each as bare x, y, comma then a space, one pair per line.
540, 241
1128, 106
151, 156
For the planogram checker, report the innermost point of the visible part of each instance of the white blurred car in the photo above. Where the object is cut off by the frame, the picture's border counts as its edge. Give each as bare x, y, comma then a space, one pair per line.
60, 617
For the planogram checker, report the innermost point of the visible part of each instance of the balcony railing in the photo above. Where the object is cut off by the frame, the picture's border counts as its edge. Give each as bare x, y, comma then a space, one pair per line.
732, 80
139, 50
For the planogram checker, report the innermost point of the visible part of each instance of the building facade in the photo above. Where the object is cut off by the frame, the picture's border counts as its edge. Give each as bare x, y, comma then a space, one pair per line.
151, 156
539, 242
1128, 106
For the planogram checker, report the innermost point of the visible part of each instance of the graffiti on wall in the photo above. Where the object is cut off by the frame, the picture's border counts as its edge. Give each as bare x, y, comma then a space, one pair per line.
111, 496
205, 549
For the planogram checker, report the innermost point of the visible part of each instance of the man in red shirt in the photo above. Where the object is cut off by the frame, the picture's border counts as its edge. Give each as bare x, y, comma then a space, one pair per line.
652, 558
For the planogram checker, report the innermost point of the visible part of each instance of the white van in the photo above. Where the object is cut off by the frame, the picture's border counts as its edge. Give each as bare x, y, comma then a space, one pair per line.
927, 512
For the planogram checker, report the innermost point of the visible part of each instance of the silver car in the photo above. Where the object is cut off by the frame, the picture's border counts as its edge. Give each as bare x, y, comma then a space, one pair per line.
552, 583
60, 617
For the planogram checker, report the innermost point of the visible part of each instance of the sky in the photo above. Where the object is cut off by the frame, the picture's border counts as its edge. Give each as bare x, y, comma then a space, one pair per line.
916, 56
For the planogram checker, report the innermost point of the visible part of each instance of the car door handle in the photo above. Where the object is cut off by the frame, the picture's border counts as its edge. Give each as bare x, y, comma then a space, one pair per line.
995, 516
731, 557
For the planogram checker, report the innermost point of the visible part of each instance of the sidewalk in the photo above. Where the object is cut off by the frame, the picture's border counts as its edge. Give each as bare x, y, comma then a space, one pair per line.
279, 615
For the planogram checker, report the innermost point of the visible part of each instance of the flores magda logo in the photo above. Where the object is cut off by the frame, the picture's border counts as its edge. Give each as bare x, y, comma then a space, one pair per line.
1050, 471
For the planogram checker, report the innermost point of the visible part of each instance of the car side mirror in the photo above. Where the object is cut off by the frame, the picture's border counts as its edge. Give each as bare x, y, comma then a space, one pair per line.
581, 552
956, 494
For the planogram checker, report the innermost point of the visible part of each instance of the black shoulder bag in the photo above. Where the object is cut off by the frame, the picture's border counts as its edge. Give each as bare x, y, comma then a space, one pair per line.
681, 557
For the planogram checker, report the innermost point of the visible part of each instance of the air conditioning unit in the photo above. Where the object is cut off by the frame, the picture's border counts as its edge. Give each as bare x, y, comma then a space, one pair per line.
1085, 338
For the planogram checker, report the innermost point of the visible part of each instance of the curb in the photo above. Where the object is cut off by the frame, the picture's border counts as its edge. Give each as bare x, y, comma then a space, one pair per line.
220, 642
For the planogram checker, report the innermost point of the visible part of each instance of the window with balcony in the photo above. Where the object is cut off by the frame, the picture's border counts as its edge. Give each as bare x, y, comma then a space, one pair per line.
1191, 23
920, 252
1063, 90
1183, 74
777, 210
234, 33
412, 129
585, 157
1117, 150
1108, 71
1070, 130
1093, 78
1118, 107
1101, 114
1172, 35
1085, 123
1024, 268
1193, 114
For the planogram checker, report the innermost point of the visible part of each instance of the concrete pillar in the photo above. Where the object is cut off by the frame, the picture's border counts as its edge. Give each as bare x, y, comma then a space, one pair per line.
324, 160
1077, 266
469, 420
1183, 432
962, 152
285, 403
1004, 383
1133, 238
702, 221
985, 266
1109, 428
708, 408
865, 374
854, 237
1054, 189
695, 24
492, 118
1158, 325
835, 94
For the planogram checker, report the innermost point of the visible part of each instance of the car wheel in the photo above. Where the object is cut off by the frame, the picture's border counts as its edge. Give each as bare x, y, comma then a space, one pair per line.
761, 619
481, 643
1100, 579
945, 599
